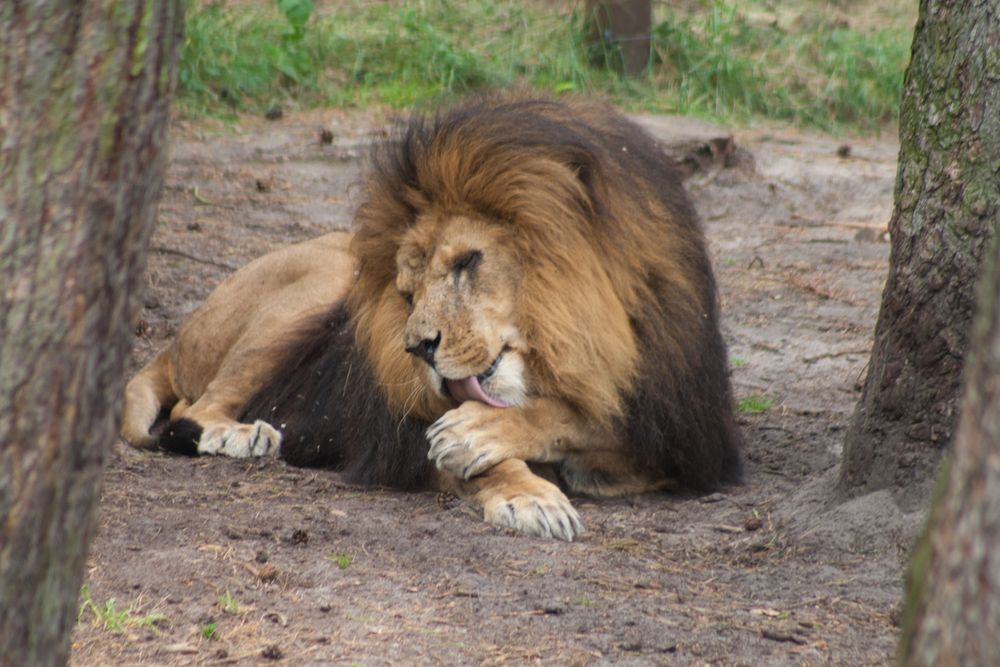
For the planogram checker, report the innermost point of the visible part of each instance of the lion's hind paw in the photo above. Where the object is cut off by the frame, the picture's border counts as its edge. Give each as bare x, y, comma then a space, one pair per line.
241, 441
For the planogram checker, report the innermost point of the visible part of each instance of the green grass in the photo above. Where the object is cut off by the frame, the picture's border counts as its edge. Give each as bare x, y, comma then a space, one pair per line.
227, 603
208, 630
755, 404
109, 616
343, 561
820, 74
726, 60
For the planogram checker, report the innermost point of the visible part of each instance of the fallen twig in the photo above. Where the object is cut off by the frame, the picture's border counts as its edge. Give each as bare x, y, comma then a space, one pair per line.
180, 253
781, 636
832, 355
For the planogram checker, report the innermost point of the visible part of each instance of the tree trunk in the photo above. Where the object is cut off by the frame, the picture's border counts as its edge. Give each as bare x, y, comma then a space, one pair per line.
618, 33
84, 95
953, 602
946, 208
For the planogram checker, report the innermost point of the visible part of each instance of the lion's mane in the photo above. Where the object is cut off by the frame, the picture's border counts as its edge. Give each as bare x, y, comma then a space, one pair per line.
618, 300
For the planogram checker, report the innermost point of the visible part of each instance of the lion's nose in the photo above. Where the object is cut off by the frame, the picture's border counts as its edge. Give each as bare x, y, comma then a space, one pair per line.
426, 348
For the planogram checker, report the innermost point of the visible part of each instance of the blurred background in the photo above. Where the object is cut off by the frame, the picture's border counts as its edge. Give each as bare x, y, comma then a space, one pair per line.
831, 65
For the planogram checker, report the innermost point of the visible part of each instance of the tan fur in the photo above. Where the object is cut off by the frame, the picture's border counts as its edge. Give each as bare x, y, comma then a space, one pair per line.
225, 349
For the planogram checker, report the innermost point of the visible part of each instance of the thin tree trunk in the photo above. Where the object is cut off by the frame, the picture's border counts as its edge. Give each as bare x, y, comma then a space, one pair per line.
84, 95
953, 602
619, 32
946, 210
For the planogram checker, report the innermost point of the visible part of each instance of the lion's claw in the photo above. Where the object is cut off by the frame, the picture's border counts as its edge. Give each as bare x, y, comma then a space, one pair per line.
476, 466
462, 444
551, 517
447, 421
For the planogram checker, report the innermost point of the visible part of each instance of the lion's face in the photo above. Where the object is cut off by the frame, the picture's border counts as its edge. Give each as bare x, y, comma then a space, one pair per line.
460, 278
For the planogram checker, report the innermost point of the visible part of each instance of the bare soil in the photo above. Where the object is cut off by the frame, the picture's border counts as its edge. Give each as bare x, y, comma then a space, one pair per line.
290, 566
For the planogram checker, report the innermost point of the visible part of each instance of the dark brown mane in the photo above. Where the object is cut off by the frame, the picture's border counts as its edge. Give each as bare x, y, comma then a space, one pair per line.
333, 414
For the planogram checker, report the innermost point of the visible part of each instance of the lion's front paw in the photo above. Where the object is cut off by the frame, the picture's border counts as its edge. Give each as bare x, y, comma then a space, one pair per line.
547, 514
241, 441
468, 440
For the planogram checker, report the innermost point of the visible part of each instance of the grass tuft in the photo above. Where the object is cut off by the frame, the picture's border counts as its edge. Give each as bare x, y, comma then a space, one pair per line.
721, 59
227, 603
755, 404
343, 561
110, 617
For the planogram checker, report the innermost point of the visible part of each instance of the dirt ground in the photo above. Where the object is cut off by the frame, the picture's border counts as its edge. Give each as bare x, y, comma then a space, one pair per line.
231, 562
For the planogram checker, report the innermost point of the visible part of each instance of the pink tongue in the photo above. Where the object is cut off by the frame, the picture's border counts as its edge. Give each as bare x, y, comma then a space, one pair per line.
468, 389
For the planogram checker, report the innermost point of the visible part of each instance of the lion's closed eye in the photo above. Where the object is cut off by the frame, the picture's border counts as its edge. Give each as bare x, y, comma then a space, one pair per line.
467, 262
466, 265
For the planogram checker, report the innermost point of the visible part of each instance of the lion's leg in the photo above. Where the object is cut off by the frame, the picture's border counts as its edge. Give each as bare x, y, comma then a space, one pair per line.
589, 460
513, 497
145, 395
208, 428
605, 473
178, 410
209, 425
474, 437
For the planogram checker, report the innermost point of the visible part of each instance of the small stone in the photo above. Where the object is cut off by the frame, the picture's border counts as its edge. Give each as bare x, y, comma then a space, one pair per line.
867, 235
272, 652
267, 573
552, 609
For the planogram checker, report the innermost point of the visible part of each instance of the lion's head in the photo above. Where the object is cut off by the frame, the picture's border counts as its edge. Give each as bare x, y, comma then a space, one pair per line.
460, 278
509, 248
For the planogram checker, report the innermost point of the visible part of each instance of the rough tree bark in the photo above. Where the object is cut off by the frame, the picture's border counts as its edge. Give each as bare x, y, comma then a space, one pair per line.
947, 198
953, 602
84, 95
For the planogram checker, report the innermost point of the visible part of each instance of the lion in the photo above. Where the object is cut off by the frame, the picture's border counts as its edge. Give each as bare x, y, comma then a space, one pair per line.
525, 308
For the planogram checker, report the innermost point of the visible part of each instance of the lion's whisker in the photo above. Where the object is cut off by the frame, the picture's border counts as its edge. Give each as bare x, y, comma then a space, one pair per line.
407, 407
